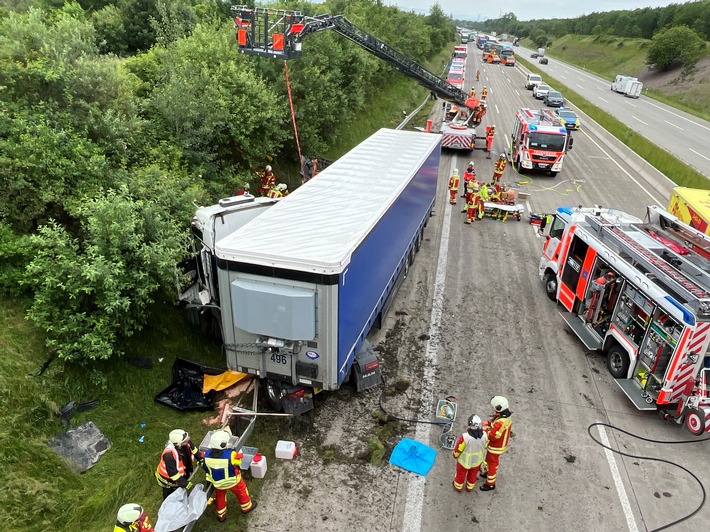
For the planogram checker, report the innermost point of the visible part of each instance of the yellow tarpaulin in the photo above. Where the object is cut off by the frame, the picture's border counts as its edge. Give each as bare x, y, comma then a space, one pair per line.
222, 381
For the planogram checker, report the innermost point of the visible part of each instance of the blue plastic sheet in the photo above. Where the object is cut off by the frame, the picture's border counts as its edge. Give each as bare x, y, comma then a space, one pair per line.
413, 456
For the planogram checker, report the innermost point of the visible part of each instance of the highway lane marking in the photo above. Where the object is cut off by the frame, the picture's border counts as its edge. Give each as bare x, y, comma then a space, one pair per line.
632, 105
581, 87
618, 482
672, 124
415, 491
644, 123
678, 116
696, 153
655, 200
602, 99
497, 110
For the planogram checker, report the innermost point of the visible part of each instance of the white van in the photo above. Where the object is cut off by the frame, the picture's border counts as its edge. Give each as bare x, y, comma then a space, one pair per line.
531, 80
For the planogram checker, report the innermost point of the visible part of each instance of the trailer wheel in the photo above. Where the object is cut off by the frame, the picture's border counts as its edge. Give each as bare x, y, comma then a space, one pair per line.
695, 421
617, 362
272, 390
550, 281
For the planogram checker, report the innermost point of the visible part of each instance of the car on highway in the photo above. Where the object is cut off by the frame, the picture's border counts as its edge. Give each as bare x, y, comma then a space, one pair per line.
533, 55
531, 80
542, 60
568, 117
554, 99
540, 90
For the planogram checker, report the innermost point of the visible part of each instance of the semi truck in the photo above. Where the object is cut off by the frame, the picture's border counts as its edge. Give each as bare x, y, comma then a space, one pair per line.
627, 85
638, 291
692, 206
302, 283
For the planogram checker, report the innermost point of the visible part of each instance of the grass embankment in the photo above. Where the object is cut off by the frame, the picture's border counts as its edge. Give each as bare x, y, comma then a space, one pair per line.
40, 493
674, 168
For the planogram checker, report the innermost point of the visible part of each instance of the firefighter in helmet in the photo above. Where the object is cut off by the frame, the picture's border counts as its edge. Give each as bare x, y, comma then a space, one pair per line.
490, 132
268, 180
132, 518
222, 465
484, 93
279, 191
176, 463
499, 167
498, 431
469, 451
472, 92
453, 186
468, 175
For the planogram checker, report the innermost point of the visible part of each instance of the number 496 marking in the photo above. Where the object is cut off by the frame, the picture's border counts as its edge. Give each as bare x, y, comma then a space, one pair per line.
279, 359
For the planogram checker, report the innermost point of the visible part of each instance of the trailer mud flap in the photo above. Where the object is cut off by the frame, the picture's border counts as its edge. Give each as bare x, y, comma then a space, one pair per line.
367, 368
588, 337
632, 389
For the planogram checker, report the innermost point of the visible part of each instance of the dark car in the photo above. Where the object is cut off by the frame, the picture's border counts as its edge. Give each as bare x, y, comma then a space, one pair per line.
554, 99
542, 60
533, 55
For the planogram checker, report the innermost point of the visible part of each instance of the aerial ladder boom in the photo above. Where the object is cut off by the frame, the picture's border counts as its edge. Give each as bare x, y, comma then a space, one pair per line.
278, 33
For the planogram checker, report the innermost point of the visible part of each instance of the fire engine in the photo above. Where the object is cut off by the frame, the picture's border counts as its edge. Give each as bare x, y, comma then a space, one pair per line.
639, 291
539, 141
278, 34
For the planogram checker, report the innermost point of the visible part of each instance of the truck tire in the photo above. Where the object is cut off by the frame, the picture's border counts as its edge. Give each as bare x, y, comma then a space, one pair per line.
553, 174
695, 421
617, 362
272, 391
550, 281
519, 166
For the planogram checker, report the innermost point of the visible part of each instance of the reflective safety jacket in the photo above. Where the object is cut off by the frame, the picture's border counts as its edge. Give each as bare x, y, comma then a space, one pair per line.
222, 467
171, 467
142, 524
499, 166
274, 193
499, 434
454, 182
469, 451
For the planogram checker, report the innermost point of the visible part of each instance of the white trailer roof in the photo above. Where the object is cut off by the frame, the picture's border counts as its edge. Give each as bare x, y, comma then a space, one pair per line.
319, 225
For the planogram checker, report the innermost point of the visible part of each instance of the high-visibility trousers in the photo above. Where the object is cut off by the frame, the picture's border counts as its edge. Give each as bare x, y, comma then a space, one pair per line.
453, 192
467, 475
491, 462
242, 494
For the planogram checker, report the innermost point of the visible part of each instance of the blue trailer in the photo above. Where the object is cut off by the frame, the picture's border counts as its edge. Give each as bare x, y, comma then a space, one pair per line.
302, 284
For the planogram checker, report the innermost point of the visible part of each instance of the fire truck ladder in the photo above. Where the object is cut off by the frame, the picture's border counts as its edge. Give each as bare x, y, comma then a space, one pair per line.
695, 294
277, 33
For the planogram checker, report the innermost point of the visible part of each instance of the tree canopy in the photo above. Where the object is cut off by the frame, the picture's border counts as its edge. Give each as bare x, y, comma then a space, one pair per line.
676, 44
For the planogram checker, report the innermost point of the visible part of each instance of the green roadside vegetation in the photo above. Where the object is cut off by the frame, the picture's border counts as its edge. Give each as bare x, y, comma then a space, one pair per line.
679, 172
63, 500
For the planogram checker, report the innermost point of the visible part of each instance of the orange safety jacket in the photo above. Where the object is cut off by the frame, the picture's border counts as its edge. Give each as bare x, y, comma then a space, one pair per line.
454, 182
499, 434
169, 473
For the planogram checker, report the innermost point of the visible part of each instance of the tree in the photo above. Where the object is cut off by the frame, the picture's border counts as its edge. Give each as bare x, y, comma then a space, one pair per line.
678, 44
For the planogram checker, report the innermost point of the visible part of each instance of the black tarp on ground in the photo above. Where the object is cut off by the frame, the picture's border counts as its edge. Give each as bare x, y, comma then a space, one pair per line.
80, 446
185, 391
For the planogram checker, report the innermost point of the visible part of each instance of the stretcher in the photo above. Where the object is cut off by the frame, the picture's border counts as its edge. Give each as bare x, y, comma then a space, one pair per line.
501, 211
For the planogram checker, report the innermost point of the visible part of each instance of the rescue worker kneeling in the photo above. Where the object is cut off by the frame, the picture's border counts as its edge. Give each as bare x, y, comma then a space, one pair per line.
469, 451
222, 467
132, 518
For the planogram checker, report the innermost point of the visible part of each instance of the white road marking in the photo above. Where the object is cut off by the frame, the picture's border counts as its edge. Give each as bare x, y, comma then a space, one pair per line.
415, 491
672, 124
677, 115
696, 153
620, 490
635, 118
656, 201
497, 110
632, 105
580, 86
602, 99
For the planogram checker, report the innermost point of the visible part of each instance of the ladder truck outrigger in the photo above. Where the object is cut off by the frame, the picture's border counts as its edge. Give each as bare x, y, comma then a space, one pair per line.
278, 34
639, 291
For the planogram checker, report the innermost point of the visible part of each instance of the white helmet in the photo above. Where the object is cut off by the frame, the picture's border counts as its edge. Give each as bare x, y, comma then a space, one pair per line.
474, 422
470, 163
219, 439
129, 513
502, 156
499, 403
456, 171
268, 168
178, 437
281, 187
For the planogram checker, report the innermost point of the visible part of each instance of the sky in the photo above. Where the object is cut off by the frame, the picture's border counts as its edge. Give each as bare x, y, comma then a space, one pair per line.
526, 9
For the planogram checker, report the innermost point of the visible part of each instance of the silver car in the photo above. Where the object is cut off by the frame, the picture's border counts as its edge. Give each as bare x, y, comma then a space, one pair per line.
554, 99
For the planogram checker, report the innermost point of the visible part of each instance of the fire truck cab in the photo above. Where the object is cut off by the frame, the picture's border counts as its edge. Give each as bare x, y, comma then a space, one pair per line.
539, 141
639, 291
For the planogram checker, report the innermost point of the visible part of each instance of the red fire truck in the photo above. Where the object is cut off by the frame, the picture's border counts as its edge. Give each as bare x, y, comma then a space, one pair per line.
539, 141
639, 291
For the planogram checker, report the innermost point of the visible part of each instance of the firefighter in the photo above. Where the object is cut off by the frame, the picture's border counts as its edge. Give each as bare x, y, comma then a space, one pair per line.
483, 192
453, 186
490, 132
478, 75
472, 92
222, 465
499, 168
469, 451
279, 191
498, 431
468, 175
176, 463
484, 93
268, 180
132, 518
473, 198
242, 190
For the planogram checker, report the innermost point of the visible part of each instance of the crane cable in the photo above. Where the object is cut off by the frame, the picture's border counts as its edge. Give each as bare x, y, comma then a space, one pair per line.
293, 113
